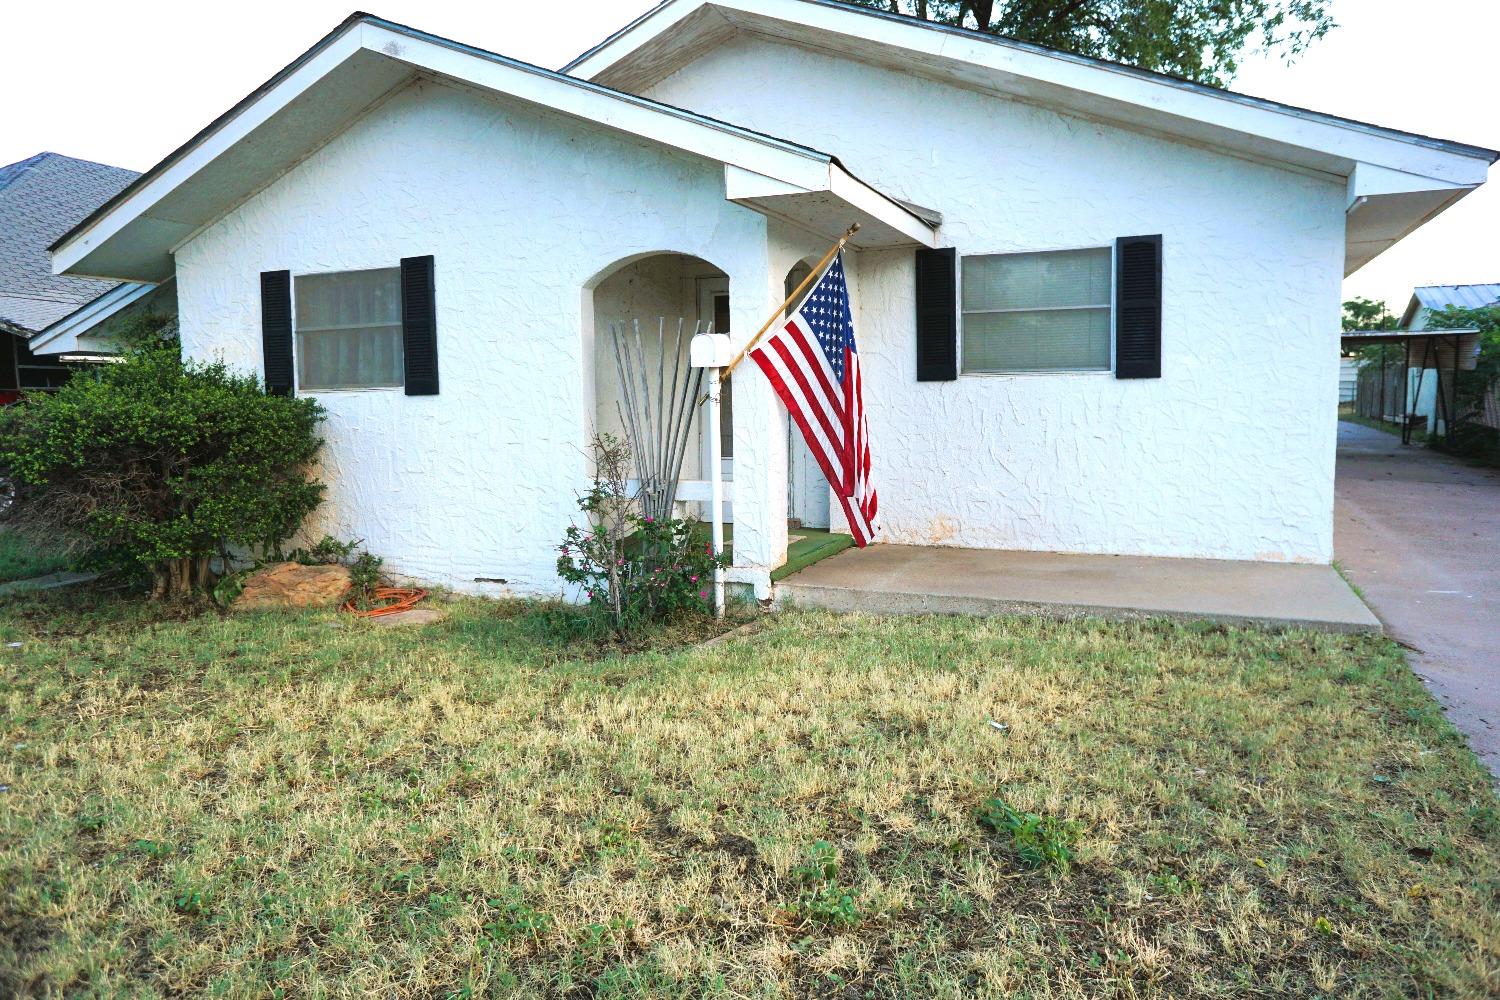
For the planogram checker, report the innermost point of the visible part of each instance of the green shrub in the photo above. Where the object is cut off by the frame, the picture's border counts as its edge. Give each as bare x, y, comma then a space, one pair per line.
160, 465
631, 569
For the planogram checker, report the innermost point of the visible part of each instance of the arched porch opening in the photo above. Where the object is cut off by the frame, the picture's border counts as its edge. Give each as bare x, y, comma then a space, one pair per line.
654, 291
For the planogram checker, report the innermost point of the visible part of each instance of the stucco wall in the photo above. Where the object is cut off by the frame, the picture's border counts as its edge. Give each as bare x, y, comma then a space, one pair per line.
1229, 455
524, 211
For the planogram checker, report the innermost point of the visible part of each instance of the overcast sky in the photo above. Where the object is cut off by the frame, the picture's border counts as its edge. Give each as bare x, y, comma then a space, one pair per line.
127, 83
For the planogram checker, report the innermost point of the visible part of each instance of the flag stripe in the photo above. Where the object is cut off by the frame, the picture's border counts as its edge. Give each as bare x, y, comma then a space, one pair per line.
812, 363
798, 374
824, 448
817, 445
806, 341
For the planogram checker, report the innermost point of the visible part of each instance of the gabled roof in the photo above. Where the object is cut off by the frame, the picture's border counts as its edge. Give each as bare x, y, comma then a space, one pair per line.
1435, 298
1396, 180
366, 57
41, 197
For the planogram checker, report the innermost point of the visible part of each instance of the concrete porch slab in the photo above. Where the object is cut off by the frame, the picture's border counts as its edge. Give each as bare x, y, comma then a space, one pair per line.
909, 579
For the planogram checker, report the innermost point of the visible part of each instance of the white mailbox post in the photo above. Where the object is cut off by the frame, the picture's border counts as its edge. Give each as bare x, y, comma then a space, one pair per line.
712, 351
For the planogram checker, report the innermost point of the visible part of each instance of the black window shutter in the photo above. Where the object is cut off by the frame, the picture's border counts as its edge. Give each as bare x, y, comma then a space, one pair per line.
419, 326
1138, 307
276, 330
937, 315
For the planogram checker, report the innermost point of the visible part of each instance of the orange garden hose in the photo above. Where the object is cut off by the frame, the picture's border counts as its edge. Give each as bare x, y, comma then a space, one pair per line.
400, 598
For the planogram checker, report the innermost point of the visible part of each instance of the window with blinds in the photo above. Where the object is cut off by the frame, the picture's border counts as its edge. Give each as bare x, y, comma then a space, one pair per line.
348, 327
1037, 312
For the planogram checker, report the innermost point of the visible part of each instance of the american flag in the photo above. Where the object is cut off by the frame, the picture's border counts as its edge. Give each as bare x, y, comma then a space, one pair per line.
814, 367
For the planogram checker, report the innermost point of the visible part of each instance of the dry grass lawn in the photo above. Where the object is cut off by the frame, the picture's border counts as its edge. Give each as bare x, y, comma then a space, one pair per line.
299, 806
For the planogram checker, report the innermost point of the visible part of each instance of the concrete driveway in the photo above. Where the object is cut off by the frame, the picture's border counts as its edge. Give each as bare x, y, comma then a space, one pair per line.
1419, 534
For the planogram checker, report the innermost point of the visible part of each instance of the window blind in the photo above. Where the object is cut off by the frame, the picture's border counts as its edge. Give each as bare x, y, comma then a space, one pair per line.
1037, 312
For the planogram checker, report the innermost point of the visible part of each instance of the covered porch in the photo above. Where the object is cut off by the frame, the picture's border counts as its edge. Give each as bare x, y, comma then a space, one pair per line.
912, 579
649, 305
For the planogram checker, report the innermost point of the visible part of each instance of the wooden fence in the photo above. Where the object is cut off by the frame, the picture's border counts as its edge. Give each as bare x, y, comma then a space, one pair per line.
1380, 392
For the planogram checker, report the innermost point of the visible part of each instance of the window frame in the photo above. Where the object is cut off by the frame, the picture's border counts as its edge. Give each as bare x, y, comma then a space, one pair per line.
297, 387
959, 310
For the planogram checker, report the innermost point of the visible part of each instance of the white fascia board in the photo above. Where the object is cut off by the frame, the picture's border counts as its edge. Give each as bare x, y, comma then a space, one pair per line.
648, 27
199, 155
64, 334
578, 98
748, 188
1371, 181
624, 112
870, 201
1121, 87
742, 185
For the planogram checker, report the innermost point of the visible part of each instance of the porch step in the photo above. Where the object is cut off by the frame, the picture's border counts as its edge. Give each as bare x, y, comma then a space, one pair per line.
909, 580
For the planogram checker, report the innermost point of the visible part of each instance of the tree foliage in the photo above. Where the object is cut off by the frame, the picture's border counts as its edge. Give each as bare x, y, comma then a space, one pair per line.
1198, 40
1368, 314
1372, 314
161, 464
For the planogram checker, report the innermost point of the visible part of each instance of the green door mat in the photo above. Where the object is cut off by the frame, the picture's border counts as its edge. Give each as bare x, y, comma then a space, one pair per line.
809, 545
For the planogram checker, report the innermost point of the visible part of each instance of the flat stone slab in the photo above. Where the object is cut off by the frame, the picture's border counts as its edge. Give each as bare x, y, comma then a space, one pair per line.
911, 579
413, 616
51, 581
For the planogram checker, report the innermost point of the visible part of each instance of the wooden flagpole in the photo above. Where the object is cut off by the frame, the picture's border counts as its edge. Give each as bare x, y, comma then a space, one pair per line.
716, 377
817, 272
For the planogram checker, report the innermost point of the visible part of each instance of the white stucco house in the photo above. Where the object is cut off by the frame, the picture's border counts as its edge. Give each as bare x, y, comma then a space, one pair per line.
1096, 306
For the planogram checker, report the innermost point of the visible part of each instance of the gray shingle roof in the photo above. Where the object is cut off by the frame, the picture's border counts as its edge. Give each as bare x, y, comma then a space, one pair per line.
41, 198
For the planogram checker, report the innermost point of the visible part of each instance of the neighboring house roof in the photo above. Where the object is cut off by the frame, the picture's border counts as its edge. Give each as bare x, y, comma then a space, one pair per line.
1396, 180
365, 57
41, 198
1435, 298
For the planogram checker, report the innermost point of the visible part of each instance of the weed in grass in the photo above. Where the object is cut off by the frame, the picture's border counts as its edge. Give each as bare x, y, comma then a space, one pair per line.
190, 901
92, 822
1172, 885
819, 864
596, 940
821, 898
1040, 841
511, 920
157, 849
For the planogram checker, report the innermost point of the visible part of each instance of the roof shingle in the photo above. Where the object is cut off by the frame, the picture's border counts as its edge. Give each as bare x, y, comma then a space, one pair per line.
41, 198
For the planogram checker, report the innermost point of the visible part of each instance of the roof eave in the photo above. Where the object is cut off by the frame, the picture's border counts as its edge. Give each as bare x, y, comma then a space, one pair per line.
63, 335
413, 52
991, 51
